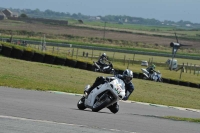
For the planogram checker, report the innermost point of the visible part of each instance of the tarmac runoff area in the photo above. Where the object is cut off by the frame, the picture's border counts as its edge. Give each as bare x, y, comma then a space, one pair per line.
149, 104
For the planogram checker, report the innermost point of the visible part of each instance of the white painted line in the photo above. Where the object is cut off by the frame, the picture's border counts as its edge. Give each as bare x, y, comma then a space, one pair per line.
60, 123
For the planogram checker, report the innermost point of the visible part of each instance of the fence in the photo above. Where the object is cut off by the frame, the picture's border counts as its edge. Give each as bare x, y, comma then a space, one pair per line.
115, 55
107, 49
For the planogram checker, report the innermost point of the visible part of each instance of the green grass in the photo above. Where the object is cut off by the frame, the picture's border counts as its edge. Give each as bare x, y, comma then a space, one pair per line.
182, 119
135, 67
39, 76
167, 31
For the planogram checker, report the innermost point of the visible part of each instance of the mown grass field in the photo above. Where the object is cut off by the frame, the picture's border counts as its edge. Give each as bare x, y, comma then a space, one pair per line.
143, 36
39, 76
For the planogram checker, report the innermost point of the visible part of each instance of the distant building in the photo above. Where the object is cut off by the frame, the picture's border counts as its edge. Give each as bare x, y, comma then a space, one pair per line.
95, 18
7, 12
135, 21
98, 18
15, 15
2, 16
188, 25
126, 20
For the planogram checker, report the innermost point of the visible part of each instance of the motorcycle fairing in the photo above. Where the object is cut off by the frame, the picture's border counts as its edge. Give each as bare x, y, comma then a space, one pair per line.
115, 87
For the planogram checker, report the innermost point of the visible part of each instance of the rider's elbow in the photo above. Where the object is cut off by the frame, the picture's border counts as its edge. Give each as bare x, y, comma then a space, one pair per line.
125, 98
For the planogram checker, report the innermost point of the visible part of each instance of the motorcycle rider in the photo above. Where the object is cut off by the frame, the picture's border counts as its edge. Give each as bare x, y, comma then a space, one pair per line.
151, 69
102, 60
127, 76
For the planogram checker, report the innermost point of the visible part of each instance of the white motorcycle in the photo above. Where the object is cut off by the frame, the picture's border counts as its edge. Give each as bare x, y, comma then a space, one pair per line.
156, 76
103, 95
108, 68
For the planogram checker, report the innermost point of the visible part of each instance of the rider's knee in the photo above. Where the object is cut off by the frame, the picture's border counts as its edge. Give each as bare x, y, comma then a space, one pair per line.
100, 78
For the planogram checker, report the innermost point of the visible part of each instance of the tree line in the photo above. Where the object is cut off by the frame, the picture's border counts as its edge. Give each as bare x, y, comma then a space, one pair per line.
119, 19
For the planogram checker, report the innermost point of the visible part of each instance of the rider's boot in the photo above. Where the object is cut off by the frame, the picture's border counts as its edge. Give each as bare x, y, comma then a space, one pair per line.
86, 90
98, 81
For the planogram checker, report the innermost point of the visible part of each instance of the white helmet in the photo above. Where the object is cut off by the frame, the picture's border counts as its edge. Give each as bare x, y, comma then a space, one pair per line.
127, 76
104, 54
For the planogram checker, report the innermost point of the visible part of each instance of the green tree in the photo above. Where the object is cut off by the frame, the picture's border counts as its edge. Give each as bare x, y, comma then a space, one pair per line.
23, 15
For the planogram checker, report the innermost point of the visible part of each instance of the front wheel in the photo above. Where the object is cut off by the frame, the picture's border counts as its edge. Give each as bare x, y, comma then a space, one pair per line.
81, 104
112, 72
98, 105
160, 80
95, 69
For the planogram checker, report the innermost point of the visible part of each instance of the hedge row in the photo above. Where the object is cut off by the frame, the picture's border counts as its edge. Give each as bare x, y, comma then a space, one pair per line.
13, 52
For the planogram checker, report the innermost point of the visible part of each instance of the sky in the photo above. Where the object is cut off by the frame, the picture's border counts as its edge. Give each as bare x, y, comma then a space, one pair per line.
173, 10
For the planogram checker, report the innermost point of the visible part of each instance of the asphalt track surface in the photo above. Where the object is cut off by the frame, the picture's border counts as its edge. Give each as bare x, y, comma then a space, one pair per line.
23, 111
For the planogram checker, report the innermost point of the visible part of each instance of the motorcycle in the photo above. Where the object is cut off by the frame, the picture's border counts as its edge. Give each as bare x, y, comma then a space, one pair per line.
108, 68
156, 76
103, 95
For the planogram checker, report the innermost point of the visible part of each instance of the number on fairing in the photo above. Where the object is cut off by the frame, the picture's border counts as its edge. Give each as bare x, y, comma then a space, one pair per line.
118, 89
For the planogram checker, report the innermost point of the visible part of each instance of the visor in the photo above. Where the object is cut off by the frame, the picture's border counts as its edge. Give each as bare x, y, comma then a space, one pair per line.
127, 79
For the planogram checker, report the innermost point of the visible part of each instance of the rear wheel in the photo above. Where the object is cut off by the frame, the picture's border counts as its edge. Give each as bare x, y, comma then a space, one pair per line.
81, 104
95, 69
145, 78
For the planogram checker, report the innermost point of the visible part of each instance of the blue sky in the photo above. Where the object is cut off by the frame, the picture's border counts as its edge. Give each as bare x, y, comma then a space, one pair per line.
174, 10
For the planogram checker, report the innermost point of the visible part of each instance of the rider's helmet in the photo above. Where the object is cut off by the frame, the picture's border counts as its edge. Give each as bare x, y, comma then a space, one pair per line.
153, 66
103, 55
127, 76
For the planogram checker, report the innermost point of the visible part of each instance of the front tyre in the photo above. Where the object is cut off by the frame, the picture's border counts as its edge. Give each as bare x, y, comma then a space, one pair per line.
81, 104
160, 80
98, 105
114, 108
112, 72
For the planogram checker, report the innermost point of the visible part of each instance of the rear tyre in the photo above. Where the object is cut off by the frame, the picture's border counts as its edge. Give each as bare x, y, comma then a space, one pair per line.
94, 69
81, 104
145, 78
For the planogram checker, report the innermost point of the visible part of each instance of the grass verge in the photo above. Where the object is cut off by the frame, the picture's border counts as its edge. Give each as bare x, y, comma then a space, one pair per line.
182, 119
39, 76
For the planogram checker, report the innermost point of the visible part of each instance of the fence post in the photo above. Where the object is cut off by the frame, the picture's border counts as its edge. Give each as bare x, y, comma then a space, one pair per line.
72, 52
92, 55
83, 53
186, 67
76, 53
113, 57
128, 63
53, 50
133, 58
57, 49
182, 69
190, 67
124, 60
194, 68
